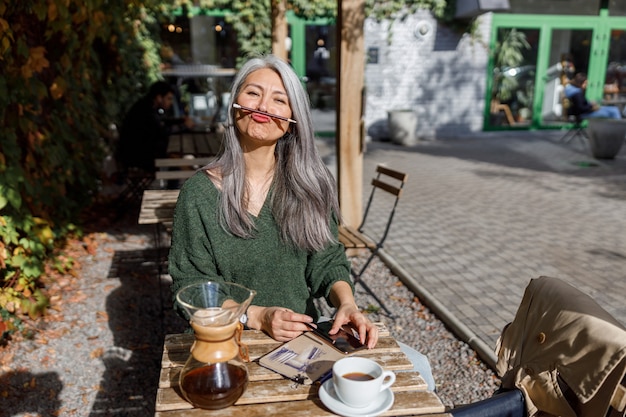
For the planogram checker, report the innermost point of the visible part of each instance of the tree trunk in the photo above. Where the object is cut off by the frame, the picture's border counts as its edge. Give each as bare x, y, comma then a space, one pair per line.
279, 28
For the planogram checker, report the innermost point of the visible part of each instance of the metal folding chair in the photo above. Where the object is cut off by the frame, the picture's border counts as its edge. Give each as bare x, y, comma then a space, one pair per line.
577, 131
136, 180
388, 181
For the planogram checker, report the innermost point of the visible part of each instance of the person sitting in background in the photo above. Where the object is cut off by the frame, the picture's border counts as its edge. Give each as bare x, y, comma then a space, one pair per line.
145, 130
580, 106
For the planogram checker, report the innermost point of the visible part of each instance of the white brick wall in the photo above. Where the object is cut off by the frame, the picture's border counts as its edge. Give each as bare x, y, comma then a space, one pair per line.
441, 76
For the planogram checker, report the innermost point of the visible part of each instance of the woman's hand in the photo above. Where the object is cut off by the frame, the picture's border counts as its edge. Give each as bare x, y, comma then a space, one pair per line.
348, 312
282, 324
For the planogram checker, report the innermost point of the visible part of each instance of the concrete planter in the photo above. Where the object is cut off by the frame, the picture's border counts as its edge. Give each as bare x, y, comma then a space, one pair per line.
402, 126
606, 137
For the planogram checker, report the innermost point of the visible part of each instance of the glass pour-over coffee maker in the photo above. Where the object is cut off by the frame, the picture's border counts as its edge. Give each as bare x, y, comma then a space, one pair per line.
215, 374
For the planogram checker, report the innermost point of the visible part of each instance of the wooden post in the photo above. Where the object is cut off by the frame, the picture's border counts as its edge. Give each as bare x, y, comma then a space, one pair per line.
350, 135
280, 29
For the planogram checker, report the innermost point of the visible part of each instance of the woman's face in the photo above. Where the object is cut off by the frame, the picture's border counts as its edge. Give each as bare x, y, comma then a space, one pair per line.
262, 90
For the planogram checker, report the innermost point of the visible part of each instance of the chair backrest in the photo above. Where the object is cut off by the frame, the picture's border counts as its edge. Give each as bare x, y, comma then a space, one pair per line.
179, 168
389, 181
570, 114
567, 105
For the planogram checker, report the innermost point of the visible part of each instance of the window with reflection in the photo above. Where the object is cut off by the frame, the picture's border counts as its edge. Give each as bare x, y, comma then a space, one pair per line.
201, 39
513, 87
617, 7
321, 65
615, 77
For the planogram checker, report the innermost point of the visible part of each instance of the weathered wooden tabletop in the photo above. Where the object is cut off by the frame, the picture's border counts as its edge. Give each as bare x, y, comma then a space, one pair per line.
198, 143
268, 393
157, 206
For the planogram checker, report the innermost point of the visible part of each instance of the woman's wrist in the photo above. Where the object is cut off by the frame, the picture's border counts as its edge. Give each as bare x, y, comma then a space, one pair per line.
254, 315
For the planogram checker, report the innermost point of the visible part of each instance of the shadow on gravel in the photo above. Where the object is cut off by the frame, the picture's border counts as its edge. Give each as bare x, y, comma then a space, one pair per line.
140, 314
32, 393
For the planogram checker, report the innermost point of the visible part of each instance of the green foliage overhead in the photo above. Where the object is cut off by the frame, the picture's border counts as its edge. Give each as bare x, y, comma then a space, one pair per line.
380, 10
251, 19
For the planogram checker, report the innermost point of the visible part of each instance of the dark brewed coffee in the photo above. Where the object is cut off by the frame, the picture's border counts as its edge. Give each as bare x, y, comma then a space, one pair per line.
358, 376
215, 386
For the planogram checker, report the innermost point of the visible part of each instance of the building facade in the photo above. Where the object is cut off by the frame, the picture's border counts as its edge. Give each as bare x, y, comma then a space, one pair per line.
419, 65
508, 74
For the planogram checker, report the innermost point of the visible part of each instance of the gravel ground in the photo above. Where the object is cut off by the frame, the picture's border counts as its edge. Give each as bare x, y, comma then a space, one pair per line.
98, 351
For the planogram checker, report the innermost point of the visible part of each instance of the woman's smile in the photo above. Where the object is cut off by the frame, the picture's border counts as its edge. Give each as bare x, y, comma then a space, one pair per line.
263, 90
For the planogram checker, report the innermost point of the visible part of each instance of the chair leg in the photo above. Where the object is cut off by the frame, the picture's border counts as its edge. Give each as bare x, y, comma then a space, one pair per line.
567, 137
577, 132
159, 264
157, 244
358, 280
132, 192
581, 134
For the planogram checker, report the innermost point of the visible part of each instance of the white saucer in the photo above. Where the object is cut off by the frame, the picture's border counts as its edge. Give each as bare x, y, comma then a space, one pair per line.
382, 403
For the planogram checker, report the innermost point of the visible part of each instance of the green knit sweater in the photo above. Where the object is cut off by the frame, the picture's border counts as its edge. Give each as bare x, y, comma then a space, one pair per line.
282, 276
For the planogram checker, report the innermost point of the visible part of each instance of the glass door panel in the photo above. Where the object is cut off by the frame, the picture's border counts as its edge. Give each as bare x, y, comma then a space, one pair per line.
321, 65
614, 90
569, 53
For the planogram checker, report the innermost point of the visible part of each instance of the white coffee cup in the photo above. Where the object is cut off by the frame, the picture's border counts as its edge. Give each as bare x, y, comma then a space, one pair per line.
358, 381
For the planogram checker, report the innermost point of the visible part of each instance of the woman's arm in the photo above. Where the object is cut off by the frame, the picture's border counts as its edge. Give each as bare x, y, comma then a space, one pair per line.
191, 257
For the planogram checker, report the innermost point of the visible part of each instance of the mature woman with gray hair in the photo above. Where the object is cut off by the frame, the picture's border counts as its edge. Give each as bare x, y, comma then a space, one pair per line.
265, 213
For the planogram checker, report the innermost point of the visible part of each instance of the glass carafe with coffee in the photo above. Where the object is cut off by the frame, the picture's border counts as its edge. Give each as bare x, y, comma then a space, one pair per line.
215, 375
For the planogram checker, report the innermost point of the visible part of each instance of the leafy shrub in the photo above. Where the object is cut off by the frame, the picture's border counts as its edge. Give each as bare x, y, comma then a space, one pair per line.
68, 69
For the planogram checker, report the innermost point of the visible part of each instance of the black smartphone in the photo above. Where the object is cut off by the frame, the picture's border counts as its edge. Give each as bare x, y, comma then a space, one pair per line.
345, 340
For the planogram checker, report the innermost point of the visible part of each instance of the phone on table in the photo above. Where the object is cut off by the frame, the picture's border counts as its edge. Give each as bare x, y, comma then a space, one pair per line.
345, 340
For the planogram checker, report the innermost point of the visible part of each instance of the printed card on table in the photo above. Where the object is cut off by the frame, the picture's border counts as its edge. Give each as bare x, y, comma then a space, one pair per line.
304, 359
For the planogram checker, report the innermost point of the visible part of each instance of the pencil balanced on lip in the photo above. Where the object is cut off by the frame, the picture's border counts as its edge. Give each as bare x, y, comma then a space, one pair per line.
273, 116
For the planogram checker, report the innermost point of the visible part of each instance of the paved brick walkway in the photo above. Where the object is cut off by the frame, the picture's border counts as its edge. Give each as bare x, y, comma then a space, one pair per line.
483, 214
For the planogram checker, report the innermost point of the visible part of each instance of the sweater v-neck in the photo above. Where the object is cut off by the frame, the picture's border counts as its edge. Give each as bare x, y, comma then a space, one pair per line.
264, 207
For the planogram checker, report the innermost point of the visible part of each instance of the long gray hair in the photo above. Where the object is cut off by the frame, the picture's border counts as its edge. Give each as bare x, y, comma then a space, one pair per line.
304, 195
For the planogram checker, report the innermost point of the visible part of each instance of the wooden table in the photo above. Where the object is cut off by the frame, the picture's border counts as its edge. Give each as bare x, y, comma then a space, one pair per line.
269, 394
157, 206
178, 168
620, 103
194, 142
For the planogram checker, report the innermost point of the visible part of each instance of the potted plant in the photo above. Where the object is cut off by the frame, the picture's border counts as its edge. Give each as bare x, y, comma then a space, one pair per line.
606, 137
402, 126
508, 59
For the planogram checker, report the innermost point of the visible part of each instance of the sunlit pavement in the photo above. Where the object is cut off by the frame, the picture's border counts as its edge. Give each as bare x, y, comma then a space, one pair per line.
484, 213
